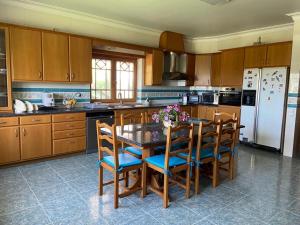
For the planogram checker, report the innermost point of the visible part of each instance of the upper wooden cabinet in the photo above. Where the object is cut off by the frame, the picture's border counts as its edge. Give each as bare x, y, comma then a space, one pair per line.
171, 41
216, 69
232, 67
154, 67
202, 70
80, 59
190, 71
55, 56
26, 54
279, 54
255, 56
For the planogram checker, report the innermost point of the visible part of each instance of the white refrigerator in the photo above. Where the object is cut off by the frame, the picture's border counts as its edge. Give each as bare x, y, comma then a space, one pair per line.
264, 106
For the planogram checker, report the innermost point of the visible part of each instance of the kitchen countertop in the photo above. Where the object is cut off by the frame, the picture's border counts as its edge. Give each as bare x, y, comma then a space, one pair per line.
86, 110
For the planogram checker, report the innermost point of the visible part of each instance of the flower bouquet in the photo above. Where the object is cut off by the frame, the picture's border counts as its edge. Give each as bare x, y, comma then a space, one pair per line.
170, 116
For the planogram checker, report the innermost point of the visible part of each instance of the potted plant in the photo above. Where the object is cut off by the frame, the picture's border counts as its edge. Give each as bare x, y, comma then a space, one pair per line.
170, 116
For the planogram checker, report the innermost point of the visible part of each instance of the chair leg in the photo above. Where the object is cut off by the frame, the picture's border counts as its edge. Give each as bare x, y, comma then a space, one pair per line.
215, 172
126, 180
100, 174
197, 180
144, 180
188, 182
116, 190
231, 167
166, 191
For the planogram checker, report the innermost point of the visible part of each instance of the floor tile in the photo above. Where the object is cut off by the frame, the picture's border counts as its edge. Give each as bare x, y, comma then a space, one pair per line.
295, 207
285, 218
31, 216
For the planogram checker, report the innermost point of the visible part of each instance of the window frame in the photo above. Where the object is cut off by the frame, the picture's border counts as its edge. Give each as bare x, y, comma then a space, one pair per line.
114, 57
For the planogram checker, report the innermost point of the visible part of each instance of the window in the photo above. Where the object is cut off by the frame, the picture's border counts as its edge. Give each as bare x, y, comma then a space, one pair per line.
113, 79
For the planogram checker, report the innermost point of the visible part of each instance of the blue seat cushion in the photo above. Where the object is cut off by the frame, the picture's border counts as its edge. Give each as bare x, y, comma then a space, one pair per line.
134, 150
205, 153
159, 161
224, 149
125, 160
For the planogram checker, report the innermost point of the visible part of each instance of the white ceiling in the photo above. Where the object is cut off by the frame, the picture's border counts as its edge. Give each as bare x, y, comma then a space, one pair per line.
193, 18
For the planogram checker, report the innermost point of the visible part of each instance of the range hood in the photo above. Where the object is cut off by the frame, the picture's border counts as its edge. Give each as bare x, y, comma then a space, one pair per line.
175, 60
175, 66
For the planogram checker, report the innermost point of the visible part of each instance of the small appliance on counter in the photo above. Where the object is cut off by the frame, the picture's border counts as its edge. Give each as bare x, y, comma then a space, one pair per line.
210, 97
230, 96
193, 98
48, 99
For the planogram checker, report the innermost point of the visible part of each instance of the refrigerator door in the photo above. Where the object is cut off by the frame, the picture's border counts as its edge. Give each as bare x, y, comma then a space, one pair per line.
271, 106
251, 79
248, 114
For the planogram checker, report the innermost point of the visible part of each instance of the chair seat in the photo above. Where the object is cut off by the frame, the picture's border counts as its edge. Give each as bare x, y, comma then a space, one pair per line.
205, 153
133, 150
125, 160
224, 149
159, 161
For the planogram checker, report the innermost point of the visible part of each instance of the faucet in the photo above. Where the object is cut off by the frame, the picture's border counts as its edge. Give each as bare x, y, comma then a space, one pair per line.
120, 97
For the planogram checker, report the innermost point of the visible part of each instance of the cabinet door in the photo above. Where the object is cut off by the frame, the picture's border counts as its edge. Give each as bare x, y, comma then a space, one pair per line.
26, 54
202, 70
80, 59
154, 68
5, 81
210, 112
9, 145
186, 109
194, 111
190, 69
33, 147
202, 111
279, 54
255, 57
232, 67
216, 70
55, 56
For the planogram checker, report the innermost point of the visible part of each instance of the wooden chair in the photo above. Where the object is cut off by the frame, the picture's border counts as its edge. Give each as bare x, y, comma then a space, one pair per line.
223, 116
227, 144
207, 150
170, 163
131, 118
115, 163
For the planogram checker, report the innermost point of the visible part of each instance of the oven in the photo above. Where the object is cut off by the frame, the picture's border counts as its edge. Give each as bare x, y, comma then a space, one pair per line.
230, 96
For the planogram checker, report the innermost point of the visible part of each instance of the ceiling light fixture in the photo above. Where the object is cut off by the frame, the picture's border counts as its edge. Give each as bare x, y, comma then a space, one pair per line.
216, 2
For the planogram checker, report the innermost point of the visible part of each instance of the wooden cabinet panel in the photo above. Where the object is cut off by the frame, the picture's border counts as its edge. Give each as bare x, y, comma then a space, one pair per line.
35, 141
216, 69
202, 111
26, 54
68, 133
279, 54
68, 125
190, 71
80, 59
230, 110
210, 112
66, 117
255, 56
25, 120
9, 145
186, 109
69, 145
9, 121
194, 111
154, 67
55, 49
202, 70
232, 67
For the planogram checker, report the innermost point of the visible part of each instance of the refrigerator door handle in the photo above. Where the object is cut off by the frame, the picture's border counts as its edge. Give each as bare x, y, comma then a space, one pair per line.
257, 105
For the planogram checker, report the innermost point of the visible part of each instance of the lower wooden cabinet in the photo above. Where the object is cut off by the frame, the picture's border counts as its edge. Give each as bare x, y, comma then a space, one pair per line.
68, 145
35, 141
9, 145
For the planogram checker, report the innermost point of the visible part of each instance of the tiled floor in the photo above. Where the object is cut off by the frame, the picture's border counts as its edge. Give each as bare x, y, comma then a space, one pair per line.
64, 191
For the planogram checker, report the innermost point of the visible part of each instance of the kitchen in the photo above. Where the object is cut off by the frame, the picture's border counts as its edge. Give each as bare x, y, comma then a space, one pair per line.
56, 82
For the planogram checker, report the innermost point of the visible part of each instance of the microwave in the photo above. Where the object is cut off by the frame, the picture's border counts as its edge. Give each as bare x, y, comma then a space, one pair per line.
210, 98
230, 96
193, 99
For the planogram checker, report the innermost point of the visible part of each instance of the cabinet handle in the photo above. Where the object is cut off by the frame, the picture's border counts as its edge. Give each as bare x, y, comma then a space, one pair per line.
35, 120
24, 132
3, 122
68, 76
17, 132
40, 75
70, 134
72, 76
70, 117
70, 126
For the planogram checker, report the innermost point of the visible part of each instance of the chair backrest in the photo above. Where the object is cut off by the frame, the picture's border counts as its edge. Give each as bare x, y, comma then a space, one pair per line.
229, 132
223, 116
130, 118
209, 135
186, 135
112, 139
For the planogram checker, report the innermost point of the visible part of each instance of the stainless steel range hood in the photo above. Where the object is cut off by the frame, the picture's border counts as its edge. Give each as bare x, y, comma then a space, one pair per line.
175, 66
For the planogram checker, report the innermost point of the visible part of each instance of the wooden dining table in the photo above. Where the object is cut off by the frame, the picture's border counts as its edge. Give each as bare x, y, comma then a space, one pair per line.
149, 136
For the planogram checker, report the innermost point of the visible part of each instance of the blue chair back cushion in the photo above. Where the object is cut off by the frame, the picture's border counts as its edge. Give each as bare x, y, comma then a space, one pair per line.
134, 150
